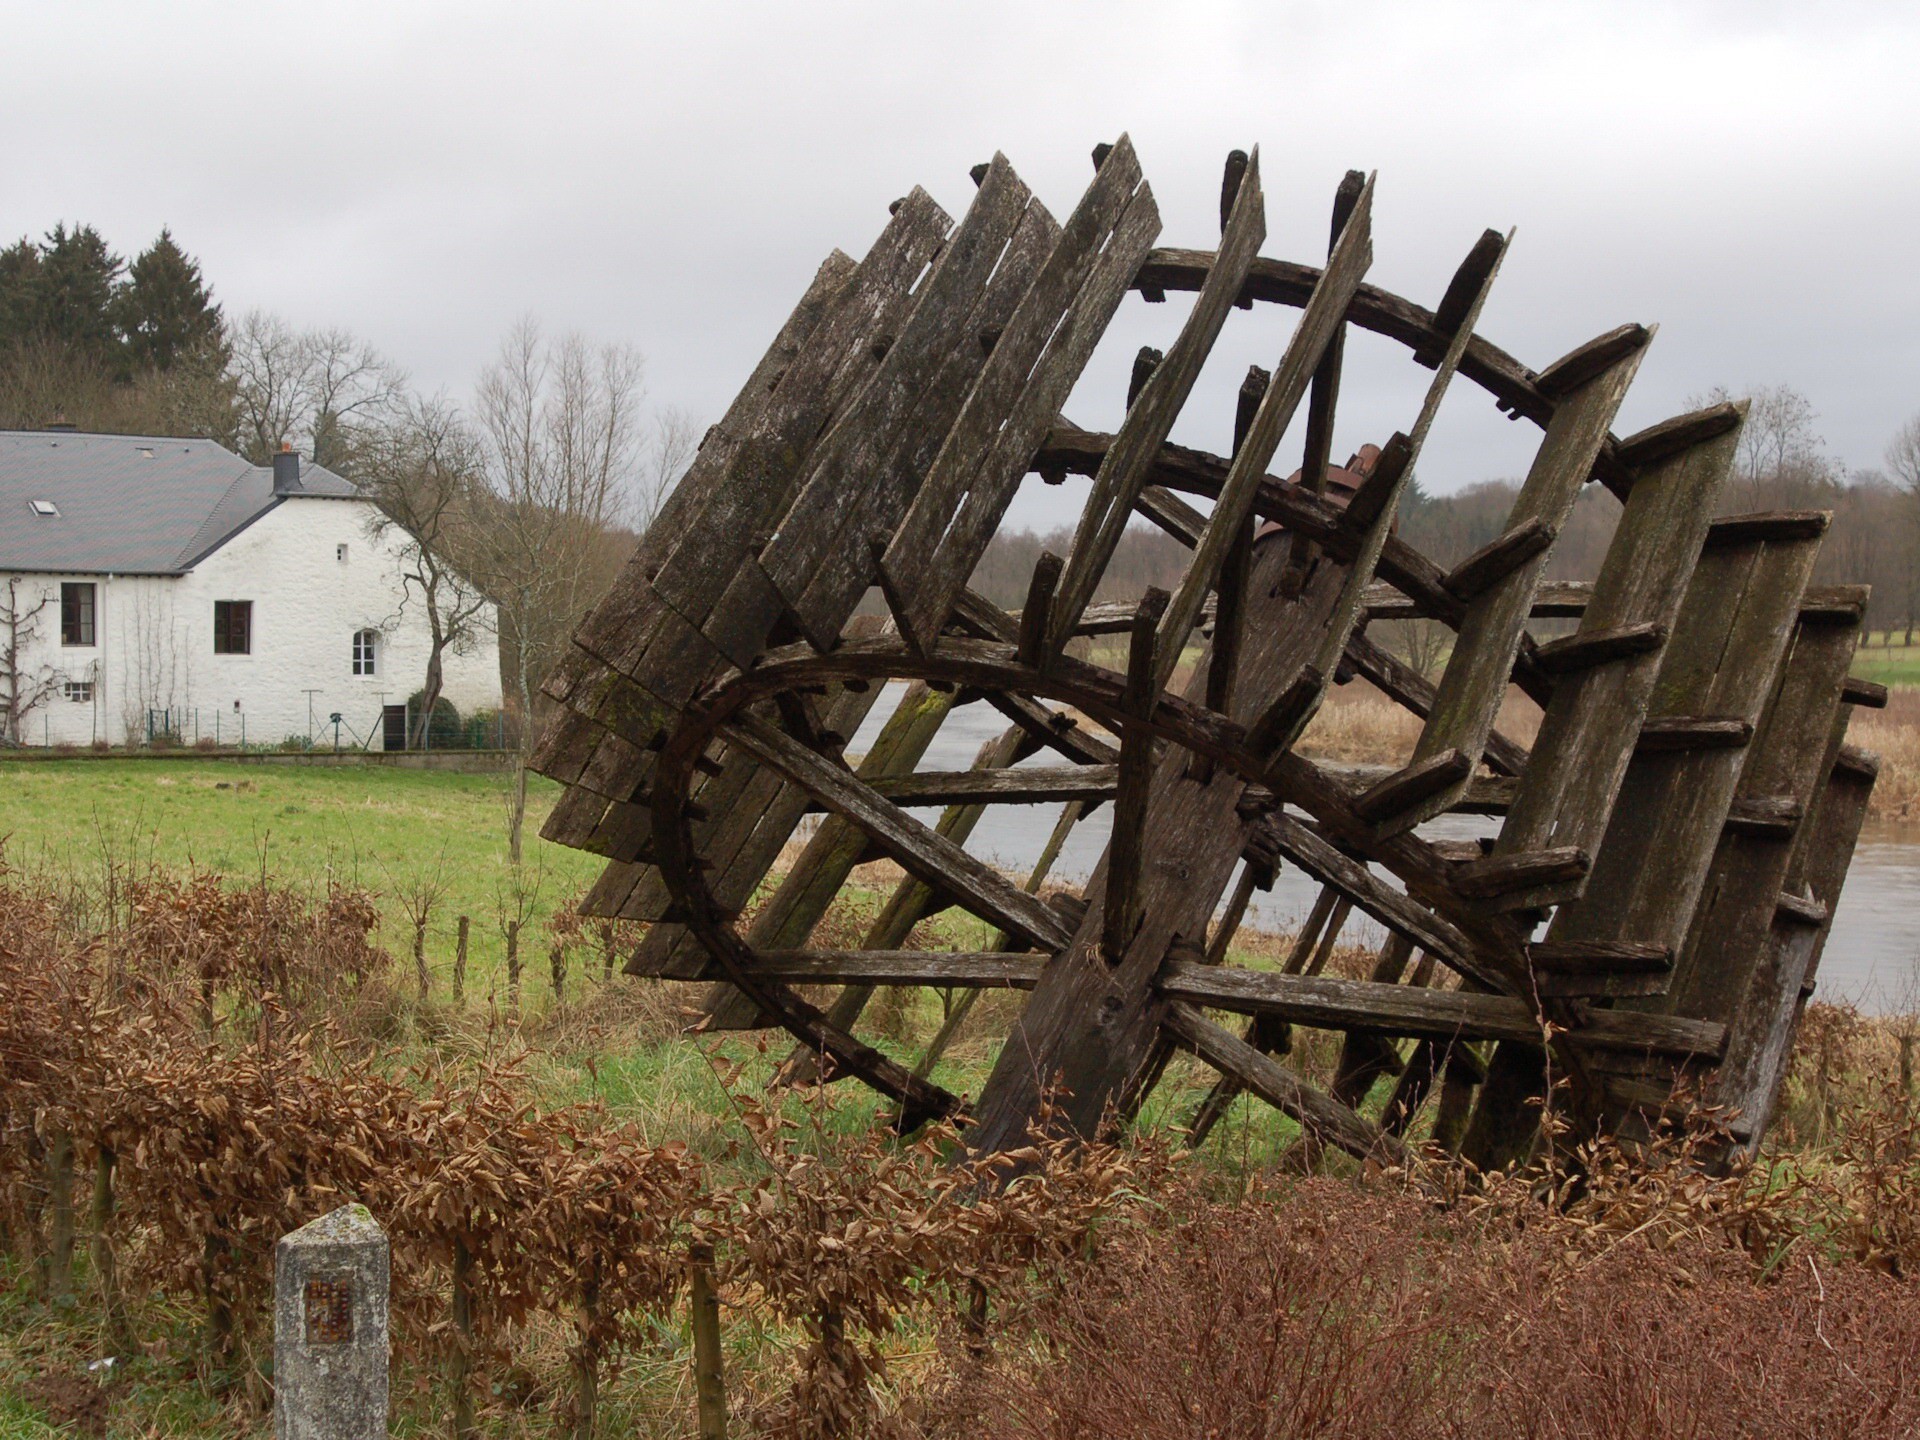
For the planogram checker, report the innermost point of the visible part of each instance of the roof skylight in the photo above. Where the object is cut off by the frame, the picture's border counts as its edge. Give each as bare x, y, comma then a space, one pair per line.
46, 509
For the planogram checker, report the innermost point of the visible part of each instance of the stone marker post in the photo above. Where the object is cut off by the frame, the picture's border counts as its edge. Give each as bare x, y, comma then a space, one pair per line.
330, 1329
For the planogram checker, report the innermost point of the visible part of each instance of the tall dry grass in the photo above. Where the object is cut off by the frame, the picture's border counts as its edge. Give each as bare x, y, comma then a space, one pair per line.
1894, 735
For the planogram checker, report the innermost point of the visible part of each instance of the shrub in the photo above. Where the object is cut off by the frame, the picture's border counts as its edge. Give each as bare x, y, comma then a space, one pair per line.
444, 730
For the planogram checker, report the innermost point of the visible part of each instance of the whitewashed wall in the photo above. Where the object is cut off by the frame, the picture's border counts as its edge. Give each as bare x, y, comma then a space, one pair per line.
154, 640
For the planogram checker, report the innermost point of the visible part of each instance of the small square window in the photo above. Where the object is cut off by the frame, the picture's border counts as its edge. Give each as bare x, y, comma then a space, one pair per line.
366, 652
233, 627
80, 692
340, 553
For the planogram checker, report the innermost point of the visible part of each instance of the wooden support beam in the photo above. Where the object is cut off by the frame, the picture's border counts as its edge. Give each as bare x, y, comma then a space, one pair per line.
1400, 681
1320, 321
1499, 558
1128, 461
943, 968
1010, 785
1574, 653
1054, 729
1121, 916
1483, 657
1667, 733
1038, 611
1392, 908
1596, 971
1326, 1002
1408, 787
1867, 694
1039, 356
1493, 876
1588, 734
1760, 1048
929, 856
1334, 1124
1587, 362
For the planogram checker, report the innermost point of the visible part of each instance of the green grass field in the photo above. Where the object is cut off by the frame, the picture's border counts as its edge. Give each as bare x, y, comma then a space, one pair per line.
380, 827
1894, 664
375, 826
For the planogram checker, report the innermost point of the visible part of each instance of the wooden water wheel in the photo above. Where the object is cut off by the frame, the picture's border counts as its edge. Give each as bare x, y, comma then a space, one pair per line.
1649, 915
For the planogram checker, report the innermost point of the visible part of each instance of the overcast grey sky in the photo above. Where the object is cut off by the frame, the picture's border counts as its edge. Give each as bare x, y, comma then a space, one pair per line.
1742, 173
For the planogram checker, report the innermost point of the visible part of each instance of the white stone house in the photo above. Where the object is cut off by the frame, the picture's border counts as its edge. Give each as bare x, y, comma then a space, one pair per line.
180, 588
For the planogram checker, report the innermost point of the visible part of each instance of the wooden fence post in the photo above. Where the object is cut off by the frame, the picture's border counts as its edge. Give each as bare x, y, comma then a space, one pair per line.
513, 962
58, 1260
709, 1374
460, 963
460, 1364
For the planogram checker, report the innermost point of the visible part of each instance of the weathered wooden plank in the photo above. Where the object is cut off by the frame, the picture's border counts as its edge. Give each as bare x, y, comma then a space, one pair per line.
1037, 613
1493, 877
985, 969
1723, 971
1400, 681
574, 733
1038, 356
873, 308
1475, 681
1019, 785
1289, 837
1500, 557
1588, 734
1664, 734
820, 559
1319, 322
1334, 1124
1121, 911
1574, 653
1760, 1047
1373, 514
1324, 398
803, 898
1409, 786
919, 849
1123, 471
1728, 641
1328, 1002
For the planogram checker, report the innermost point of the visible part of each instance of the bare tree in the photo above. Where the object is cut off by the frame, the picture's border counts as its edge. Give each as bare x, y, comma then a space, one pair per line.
320, 391
24, 687
420, 469
560, 423
1781, 453
673, 439
1903, 465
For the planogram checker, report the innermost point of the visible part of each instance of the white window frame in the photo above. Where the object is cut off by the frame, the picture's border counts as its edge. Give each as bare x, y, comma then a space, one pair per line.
366, 652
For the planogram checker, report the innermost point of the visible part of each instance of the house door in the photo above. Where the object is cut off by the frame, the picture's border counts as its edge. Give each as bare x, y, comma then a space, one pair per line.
393, 727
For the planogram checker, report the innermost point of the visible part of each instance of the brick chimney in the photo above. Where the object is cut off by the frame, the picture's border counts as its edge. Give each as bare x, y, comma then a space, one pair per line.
286, 472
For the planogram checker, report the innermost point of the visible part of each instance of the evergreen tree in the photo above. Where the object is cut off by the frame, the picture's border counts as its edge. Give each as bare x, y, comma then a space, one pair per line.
165, 311
20, 296
78, 274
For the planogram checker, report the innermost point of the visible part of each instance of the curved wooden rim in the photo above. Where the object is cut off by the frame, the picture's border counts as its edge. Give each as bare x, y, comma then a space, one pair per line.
989, 666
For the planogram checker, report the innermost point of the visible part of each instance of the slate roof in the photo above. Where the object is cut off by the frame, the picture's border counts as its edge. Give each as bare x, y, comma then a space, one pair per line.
131, 504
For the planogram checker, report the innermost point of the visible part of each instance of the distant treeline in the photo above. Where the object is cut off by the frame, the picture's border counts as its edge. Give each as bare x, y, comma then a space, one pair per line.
1874, 539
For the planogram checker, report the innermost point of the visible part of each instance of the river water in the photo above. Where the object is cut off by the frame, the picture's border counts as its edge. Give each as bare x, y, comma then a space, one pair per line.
1872, 957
